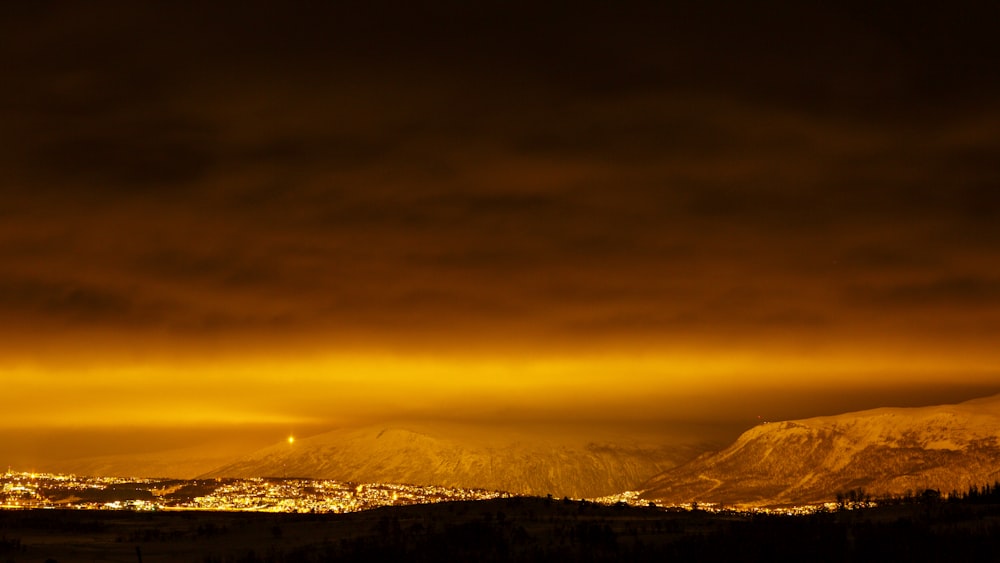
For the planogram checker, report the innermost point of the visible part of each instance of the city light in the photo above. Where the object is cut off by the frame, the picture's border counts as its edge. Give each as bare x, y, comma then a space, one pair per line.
43, 490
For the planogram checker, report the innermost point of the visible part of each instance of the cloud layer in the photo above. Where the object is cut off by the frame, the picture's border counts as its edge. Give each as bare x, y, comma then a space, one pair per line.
248, 178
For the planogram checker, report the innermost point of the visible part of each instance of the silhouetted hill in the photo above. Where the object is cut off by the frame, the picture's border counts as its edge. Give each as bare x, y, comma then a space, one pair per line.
515, 529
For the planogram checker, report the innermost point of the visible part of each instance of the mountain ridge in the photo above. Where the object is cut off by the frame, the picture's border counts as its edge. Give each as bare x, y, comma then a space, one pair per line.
521, 463
885, 451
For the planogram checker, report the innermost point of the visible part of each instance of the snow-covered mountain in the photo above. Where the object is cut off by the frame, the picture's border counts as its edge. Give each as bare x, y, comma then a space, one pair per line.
886, 450
517, 463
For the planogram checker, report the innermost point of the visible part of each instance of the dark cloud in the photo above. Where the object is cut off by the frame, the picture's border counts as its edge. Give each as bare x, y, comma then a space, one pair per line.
973, 293
449, 172
67, 299
129, 162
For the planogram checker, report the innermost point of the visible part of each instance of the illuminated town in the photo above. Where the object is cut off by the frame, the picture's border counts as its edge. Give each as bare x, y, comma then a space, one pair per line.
44, 490
22, 490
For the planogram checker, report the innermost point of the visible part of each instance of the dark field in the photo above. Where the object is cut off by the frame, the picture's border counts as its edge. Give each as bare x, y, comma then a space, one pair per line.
519, 529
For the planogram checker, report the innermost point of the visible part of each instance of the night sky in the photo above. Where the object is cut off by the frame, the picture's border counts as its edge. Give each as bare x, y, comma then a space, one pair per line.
303, 215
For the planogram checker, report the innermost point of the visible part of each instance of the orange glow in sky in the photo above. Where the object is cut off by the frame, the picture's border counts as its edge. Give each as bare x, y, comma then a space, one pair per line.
661, 215
344, 390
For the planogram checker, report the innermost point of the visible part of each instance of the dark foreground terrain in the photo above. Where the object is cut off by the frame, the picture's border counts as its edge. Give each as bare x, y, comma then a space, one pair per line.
517, 529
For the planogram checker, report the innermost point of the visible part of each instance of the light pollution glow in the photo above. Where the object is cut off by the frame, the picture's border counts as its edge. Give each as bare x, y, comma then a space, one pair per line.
340, 390
301, 218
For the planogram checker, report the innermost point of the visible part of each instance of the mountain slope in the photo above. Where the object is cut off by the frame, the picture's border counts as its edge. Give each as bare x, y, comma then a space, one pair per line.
522, 463
184, 463
886, 450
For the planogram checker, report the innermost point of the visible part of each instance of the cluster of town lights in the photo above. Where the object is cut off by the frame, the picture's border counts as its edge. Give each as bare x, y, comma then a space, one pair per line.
46, 490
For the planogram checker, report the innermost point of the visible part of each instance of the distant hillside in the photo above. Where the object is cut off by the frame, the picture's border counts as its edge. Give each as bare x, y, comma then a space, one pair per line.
184, 463
521, 463
886, 450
